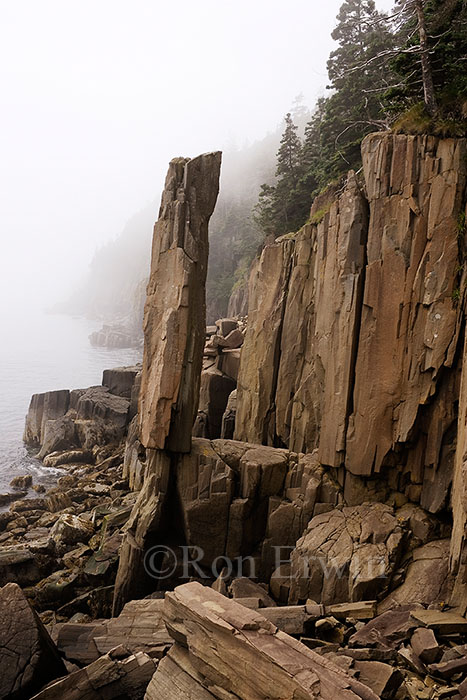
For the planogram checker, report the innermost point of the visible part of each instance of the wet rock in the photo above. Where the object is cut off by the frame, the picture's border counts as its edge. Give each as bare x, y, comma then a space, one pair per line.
6, 498
18, 566
58, 501
28, 657
68, 457
54, 590
21, 482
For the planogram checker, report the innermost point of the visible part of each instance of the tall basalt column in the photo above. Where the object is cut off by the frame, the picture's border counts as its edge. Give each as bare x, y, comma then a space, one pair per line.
174, 334
175, 310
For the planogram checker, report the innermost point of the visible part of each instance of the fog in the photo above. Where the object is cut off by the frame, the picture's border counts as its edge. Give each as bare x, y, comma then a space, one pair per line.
96, 97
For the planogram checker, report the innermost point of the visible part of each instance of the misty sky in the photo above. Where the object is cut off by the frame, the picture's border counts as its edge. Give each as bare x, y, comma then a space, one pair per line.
96, 97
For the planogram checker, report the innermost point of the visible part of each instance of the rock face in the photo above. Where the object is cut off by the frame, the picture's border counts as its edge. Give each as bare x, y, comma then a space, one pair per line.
175, 312
347, 555
174, 333
44, 407
28, 657
354, 331
82, 418
459, 496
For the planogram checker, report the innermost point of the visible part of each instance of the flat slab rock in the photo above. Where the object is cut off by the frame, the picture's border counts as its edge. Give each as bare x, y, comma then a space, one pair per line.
116, 675
28, 657
139, 627
226, 651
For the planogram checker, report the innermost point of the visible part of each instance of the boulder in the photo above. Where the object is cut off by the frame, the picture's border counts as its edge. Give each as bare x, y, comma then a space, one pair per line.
228, 419
347, 554
28, 657
71, 529
228, 362
59, 434
384, 680
139, 627
427, 579
21, 482
425, 645
225, 326
18, 566
246, 588
386, 631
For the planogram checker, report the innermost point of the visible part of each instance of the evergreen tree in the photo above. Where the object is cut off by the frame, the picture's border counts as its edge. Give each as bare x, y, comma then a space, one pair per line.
282, 207
430, 55
355, 108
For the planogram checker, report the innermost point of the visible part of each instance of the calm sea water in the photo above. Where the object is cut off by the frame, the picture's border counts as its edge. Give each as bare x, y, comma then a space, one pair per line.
43, 352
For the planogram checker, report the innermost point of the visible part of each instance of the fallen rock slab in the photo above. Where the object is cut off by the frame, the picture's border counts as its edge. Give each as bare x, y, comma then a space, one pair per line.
28, 657
115, 675
443, 623
383, 679
425, 645
238, 653
386, 631
139, 627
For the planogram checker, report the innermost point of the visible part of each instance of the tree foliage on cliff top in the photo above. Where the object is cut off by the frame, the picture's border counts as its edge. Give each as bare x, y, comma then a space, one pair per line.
406, 70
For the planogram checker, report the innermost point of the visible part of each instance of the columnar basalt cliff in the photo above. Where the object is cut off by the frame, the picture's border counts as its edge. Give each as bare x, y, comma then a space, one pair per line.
335, 498
354, 347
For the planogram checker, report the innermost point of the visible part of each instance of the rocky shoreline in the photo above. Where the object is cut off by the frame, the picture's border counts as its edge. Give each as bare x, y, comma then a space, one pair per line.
172, 561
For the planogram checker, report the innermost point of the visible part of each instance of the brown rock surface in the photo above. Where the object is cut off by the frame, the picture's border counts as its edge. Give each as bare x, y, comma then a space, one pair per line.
139, 627
28, 657
117, 675
258, 372
353, 332
174, 319
217, 637
347, 554
409, 322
